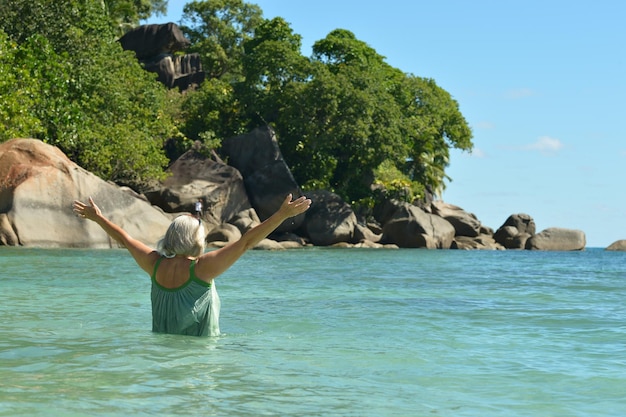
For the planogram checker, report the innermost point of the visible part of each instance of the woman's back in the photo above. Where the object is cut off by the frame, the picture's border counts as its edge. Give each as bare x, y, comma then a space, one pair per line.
181, 302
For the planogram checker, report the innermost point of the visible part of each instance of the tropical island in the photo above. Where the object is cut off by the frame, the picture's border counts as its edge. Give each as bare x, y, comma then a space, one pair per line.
226, 108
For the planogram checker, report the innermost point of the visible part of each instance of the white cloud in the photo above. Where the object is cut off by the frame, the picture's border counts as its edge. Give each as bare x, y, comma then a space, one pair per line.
545, 144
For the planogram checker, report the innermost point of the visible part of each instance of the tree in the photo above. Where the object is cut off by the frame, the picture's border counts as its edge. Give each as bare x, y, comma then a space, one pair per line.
212, 113
356, 112
342, 117
126, 14
433, 124
16, 94
85, 94
217, 30
351, 121
272, 63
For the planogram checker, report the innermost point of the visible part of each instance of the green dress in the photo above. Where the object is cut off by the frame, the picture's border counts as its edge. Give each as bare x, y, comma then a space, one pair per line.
191, 309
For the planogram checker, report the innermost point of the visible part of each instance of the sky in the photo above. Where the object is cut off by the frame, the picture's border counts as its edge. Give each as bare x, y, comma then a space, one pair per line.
542, 84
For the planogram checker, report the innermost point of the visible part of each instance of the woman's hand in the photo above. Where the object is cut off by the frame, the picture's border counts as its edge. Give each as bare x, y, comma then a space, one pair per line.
90, 212
291, 208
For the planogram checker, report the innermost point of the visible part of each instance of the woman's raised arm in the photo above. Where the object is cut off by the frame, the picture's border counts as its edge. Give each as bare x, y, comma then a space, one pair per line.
143, 254
213, 263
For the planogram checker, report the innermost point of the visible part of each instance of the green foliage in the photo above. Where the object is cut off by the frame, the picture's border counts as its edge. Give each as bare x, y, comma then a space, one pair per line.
347, 117
125, 14
217, 30
394, 184
74, 87
346, 120
355, 111
17, 94
126, 118
212, 112
272, 63
433, 124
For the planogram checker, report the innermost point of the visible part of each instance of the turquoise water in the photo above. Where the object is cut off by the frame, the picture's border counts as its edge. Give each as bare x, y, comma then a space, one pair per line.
321, 332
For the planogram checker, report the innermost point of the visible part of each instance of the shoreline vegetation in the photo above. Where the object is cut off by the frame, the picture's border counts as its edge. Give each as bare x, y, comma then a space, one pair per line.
232, 115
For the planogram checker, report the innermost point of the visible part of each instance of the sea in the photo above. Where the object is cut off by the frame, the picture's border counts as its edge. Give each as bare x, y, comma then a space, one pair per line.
321, 332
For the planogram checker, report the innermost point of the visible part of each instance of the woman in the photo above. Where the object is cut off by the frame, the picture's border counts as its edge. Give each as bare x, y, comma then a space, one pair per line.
184, 299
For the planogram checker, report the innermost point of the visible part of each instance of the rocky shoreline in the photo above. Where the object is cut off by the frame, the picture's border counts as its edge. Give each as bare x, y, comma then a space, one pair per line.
38, 183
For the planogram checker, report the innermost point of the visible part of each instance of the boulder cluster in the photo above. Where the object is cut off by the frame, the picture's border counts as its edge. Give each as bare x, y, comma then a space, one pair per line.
38, 184
157, 49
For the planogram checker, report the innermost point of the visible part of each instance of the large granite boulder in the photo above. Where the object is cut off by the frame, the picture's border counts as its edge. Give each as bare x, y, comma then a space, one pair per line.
148, 41
515, 231
557, 239
409, 226
619, 245
266, 176
225, 232
330, 220
363, 234
195, 177
482, 241
156, 48
37, 186
524, 223
464, 223
181, 71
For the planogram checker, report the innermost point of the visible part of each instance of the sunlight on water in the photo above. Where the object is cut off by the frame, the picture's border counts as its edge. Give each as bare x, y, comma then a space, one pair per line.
321, 332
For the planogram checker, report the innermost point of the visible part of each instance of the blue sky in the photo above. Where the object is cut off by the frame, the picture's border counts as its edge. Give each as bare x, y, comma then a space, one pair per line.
541, 83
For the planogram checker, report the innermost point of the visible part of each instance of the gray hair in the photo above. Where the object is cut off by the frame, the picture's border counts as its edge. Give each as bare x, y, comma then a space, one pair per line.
185, 236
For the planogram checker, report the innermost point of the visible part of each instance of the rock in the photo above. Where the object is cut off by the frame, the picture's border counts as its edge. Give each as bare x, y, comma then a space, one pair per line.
291, 244
148, 41
619, 245
7, 234
267, 177
483, 241
169, 69
245, 220
519, 241
37, 186
368, 244
376, 228
557, 239
464, 223
505, 236
196, 177
385, 211
522, 222
288, 238
268, 244
485, 230
363, 233
225, 232
155, 47
330, 220
411, 227
515, 231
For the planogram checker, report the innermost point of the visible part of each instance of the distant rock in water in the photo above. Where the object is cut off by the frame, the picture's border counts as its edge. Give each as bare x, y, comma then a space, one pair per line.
409, 226
619, 245
465, 224
556, 238
38, 184
515, 231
